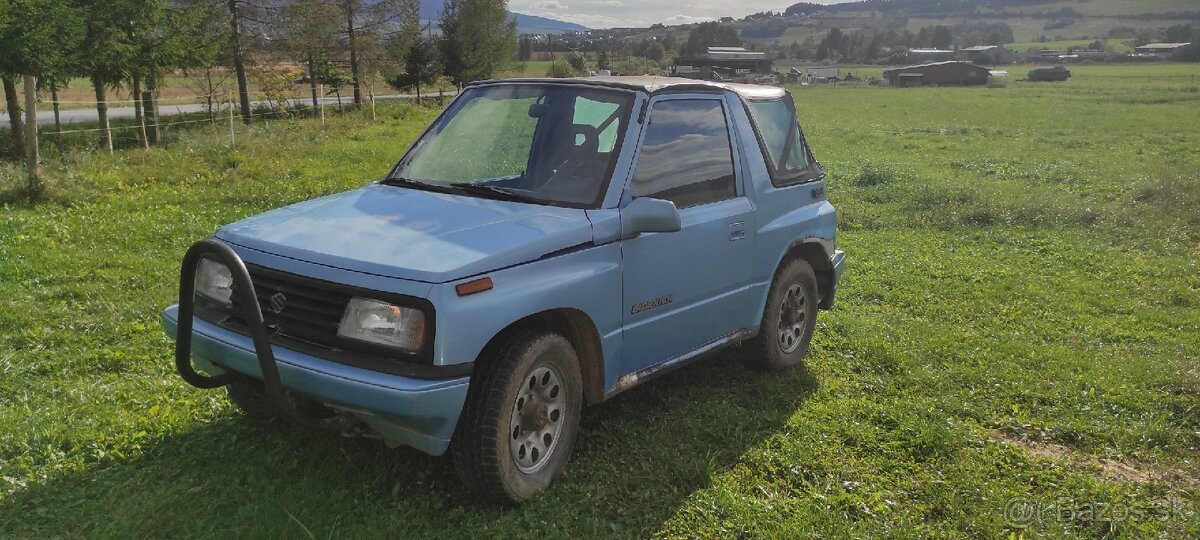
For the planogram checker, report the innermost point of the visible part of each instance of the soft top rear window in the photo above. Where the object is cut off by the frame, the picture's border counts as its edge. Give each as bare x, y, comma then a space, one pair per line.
783, 142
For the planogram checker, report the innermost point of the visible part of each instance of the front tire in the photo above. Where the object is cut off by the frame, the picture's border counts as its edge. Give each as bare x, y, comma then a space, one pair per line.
788, 320
521, 418
251, 397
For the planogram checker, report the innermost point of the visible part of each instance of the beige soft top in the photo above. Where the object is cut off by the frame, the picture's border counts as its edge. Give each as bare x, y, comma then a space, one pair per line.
656, 85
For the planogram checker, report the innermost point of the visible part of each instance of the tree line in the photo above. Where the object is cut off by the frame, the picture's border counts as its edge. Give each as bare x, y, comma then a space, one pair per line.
135, 45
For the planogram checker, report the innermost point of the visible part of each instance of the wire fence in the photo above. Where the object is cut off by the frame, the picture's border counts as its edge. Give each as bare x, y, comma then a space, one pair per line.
162, 120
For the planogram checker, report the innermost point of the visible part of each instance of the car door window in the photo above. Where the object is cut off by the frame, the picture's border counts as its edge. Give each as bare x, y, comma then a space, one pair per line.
686, 156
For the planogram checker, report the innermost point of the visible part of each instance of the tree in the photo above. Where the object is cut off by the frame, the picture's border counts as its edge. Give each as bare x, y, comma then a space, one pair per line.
39, 38
365, 24
525, 53
804, 8
834, 45
711, 34
943, 37
875, 48
307, 30
109, 53
1191, 53
422, 67
655, 52
477, 38
971, 39
561, 70
577, 62
1179, 33
165, 36
670, 44
237, 17
332, 78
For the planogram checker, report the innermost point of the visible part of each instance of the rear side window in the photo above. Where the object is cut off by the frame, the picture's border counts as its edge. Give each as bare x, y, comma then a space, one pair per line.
686, 156
784, 143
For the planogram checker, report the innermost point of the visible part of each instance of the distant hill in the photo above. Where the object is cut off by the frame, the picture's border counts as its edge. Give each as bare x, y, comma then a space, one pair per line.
1026, 20
431, 10
532, 24
952, 8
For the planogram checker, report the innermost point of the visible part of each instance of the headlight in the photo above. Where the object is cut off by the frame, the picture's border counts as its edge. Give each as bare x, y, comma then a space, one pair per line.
214, 281
383, 324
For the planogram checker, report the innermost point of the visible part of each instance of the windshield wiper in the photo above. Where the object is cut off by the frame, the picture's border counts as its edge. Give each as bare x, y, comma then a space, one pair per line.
461, 188
496, 192
417, 184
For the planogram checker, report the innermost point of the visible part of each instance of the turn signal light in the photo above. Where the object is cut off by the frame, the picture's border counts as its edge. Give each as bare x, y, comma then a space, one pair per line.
474, 287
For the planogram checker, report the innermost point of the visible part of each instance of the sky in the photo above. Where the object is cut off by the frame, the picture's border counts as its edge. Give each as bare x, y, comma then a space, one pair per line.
642, 13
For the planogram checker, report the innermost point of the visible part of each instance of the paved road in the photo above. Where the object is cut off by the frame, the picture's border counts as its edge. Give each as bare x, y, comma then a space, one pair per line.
75, 116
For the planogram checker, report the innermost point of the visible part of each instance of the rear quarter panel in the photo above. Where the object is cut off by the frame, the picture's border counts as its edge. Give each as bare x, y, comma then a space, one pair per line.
786, 216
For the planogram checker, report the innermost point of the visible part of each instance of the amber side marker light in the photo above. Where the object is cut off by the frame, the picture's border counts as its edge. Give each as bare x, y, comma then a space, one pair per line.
474, 287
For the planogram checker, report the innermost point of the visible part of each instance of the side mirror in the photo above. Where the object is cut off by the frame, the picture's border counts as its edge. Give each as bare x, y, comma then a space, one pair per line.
645, 215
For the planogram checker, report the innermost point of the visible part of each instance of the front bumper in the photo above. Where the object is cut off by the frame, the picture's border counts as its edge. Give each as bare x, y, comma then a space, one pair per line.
418, 413
838, 262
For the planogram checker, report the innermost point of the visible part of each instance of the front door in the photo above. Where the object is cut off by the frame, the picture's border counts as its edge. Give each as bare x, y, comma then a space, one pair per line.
682, 288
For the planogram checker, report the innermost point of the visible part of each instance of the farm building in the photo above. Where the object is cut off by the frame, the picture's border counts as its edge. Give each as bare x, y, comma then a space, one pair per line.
1162, 50
822, 73
989, 54
929, 55
722, 63
937, 74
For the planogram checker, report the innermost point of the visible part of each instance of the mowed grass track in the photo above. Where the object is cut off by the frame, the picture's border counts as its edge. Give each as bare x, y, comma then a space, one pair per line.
1018, 330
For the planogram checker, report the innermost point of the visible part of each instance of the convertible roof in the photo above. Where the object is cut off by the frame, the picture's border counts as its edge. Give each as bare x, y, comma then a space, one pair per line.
658, 85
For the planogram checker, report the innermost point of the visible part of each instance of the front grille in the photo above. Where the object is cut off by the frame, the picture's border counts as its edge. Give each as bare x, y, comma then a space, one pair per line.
311, 309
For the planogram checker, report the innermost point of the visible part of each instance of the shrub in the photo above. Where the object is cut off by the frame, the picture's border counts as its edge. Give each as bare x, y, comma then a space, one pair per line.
873, 175
561, 70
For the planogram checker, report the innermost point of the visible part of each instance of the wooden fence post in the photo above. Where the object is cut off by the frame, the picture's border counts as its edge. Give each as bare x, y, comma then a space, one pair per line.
232, 137
150, 112
32, 154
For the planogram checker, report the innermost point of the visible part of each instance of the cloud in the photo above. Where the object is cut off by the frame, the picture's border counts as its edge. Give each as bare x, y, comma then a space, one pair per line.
685, 19
553, 5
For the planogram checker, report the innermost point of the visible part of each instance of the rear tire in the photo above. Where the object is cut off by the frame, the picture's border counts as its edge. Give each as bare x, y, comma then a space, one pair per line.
788, 320
521, 418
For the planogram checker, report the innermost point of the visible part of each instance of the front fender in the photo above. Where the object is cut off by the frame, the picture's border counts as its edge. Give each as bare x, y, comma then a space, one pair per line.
588, 280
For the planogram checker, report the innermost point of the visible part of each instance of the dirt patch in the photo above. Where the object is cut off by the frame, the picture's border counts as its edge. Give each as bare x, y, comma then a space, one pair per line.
1141, 473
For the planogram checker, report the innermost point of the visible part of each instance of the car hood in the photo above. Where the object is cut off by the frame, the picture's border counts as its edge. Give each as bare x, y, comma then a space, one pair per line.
411, 234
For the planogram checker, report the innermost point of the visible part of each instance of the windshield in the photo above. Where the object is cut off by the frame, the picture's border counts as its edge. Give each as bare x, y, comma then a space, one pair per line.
550, 144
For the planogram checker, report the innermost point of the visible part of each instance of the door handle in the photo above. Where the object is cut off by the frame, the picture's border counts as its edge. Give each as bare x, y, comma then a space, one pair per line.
737, 231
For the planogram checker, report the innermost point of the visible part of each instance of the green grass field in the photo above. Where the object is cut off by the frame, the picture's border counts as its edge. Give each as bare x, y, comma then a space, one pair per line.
1014, 352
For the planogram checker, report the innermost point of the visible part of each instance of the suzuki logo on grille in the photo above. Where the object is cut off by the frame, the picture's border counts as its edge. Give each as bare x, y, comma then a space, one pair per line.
276, 304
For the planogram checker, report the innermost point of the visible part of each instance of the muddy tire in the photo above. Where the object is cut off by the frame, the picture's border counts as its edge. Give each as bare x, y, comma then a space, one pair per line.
521, 418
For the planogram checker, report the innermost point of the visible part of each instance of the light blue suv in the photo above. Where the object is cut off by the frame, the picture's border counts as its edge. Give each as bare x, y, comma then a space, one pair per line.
544, 244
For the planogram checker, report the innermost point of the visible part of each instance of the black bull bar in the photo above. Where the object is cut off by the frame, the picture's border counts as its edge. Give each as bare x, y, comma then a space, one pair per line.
252, 314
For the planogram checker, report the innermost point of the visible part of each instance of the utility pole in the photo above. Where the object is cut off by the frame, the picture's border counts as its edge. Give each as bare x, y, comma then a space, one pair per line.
32, 157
